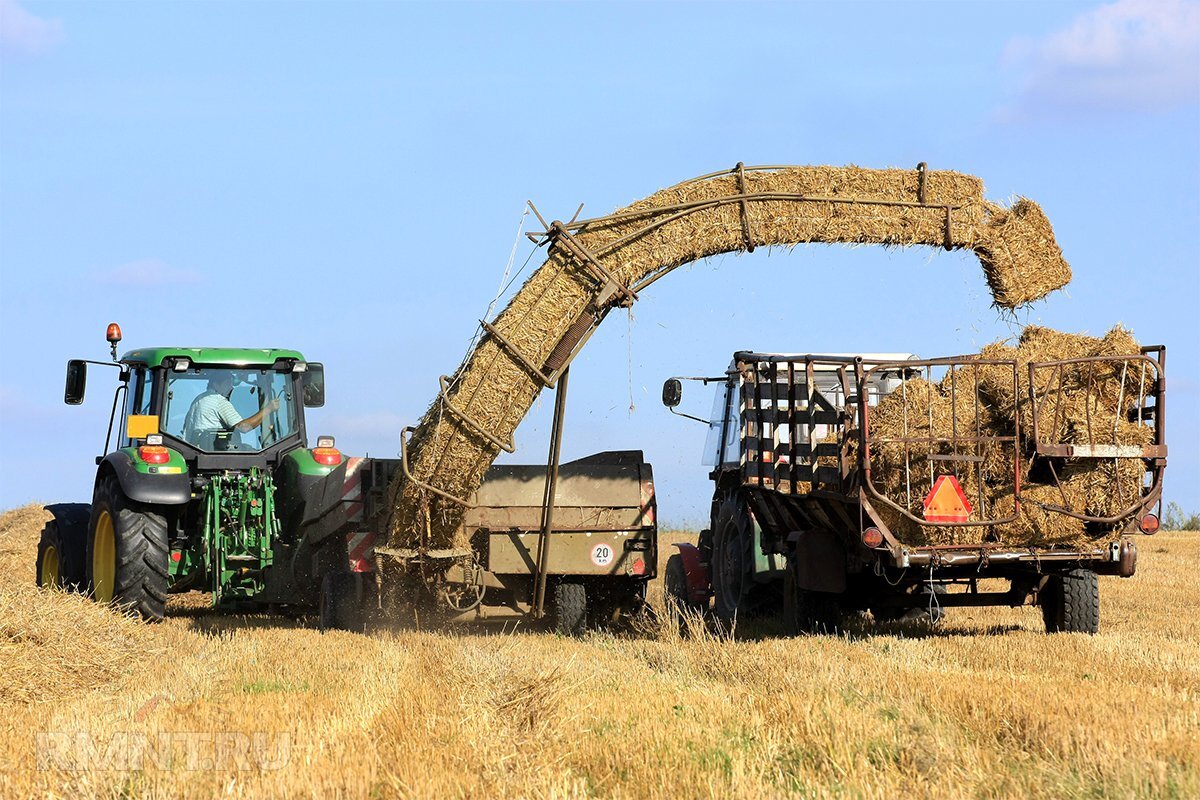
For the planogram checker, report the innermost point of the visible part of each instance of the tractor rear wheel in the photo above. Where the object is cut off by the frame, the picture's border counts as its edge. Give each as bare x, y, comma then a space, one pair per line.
1071, 602
127, 553
570, 608
734, 590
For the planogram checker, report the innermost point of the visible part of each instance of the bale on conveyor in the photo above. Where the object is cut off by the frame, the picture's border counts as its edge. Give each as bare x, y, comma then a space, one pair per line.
487, 397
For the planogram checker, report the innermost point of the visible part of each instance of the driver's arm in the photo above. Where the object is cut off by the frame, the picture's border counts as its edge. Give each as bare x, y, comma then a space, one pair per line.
253, 421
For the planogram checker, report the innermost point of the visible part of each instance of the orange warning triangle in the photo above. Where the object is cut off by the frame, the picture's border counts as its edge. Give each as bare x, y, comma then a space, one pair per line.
946, 501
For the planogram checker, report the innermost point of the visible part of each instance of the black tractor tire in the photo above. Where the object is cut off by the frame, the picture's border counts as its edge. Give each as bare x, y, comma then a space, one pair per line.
570, 608
343, 602
734, 593
127, 553
64, 537
1071, 602
60, 561
806, 611
50, 559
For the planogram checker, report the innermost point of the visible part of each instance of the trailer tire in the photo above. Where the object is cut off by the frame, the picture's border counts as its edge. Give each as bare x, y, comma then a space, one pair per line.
342, 601
1071, 602
127, 556
932, 612
570, 608
806, 611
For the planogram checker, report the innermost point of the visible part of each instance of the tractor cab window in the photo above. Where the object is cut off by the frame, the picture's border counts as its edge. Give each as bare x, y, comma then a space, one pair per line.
214, 408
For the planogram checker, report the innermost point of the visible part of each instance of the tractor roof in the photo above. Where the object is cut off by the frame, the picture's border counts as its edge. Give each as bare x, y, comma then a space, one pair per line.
153, 356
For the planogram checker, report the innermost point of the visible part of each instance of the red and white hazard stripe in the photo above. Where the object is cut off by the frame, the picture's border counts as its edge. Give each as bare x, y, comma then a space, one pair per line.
352, 494
361, 547
360, 544
648, 504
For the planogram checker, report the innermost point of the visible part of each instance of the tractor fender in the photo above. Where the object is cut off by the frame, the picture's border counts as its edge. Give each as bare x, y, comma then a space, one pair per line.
159, 490
695, 571
820, 561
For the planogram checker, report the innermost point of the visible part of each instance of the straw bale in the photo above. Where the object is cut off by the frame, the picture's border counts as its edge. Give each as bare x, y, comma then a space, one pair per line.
1119, 341
996, 381
1037, 525
1103, 488
1104, 431
1020, 257
915, 534
1085, 403
496, 390
905, 474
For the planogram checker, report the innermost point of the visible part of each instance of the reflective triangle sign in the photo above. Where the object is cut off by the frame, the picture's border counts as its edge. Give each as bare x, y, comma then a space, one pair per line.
946, 501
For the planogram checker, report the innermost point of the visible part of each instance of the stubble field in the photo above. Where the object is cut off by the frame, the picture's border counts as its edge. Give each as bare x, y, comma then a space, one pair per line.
983, 705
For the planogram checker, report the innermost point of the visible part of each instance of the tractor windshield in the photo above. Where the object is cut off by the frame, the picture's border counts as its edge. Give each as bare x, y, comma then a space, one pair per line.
229, 409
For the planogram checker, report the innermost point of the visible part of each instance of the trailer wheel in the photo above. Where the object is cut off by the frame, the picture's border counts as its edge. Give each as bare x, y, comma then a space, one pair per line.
127, 553
932, 612
805, 611
570, 608
1071, 602
342, 601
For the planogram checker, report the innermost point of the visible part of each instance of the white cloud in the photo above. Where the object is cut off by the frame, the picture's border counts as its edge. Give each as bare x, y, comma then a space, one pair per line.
147, 273
25, 33
1131, 55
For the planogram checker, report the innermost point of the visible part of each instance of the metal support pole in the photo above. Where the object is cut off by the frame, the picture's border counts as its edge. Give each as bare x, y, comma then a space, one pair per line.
560, 404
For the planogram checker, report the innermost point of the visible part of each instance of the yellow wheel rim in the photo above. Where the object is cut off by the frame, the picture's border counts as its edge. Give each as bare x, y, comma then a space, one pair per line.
50, 568
104, 559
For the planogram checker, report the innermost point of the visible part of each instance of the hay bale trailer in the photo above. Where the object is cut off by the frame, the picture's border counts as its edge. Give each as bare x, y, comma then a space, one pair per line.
590, 571
896, 485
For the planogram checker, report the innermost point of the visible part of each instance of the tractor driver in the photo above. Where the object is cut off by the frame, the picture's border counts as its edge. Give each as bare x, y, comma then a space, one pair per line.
211, 414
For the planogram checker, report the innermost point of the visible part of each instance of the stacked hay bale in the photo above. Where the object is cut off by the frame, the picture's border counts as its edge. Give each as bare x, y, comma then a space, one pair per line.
727, 212
1087, 402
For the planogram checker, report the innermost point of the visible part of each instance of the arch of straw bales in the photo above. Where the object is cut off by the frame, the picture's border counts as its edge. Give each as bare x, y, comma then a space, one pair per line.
594, 265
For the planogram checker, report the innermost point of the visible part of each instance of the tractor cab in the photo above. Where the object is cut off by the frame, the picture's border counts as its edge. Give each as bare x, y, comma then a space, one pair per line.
214, 405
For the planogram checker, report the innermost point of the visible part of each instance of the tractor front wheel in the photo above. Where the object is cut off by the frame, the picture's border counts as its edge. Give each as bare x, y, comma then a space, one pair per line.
127, 553
50, 559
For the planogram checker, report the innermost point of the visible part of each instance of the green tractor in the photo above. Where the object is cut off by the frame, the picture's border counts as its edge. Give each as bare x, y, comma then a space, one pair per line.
208, 483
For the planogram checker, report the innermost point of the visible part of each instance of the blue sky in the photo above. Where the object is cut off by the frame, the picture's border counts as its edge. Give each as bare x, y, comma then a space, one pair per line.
348, 179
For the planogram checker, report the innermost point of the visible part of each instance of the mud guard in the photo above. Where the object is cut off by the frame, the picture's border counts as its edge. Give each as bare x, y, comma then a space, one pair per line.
697, 574
820, 561
157, 490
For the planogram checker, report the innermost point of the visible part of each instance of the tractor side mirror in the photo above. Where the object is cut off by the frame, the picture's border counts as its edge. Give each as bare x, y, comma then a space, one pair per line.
76, 382
672, 392
314, 385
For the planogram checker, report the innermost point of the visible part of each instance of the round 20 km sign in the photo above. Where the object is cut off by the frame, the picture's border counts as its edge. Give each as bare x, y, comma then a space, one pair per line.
602, 555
